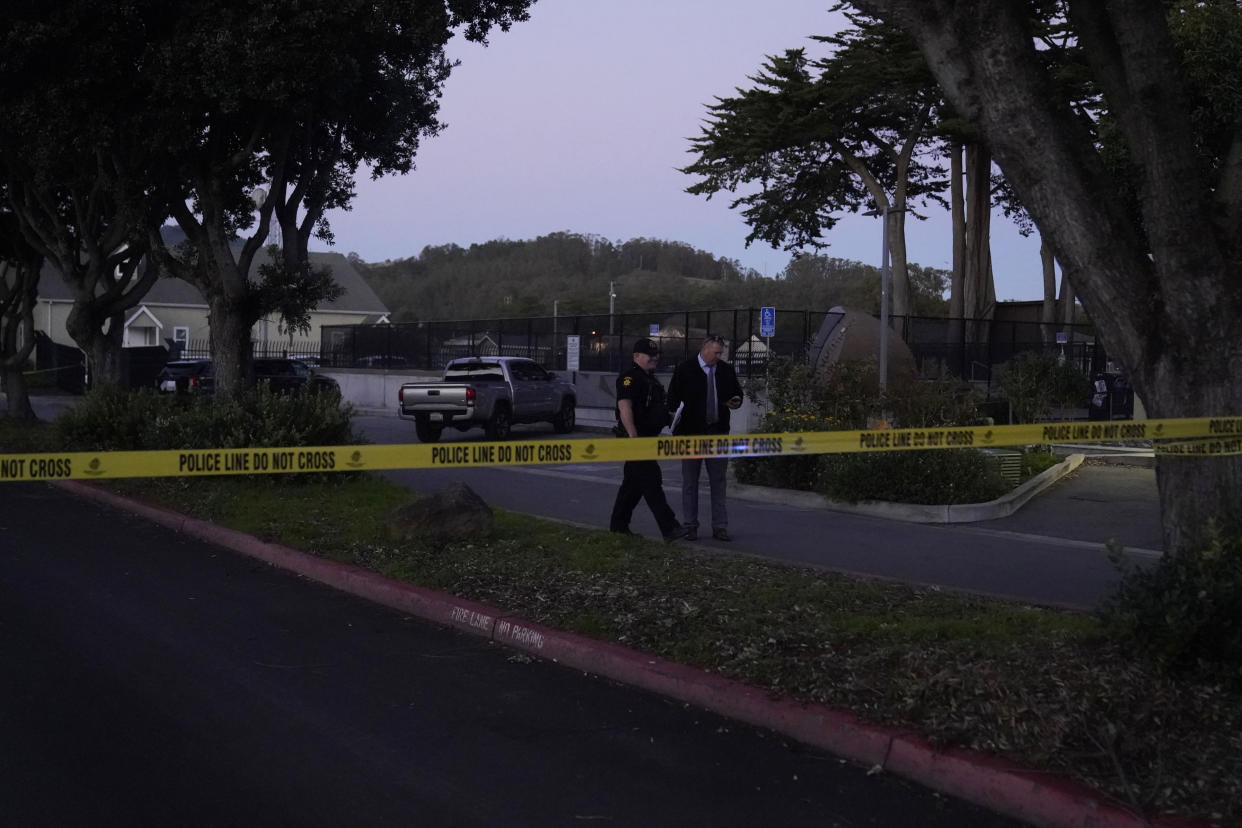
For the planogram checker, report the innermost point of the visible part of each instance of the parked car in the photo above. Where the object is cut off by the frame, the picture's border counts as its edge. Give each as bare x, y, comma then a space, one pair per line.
186, 376
493, 392
285, 375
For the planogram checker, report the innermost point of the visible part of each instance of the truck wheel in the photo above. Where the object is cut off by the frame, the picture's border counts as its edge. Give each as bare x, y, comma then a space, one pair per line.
563, 422
497, 427
427, 431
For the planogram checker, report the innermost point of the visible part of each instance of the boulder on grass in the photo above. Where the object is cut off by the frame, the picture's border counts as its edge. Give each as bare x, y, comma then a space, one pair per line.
453, 513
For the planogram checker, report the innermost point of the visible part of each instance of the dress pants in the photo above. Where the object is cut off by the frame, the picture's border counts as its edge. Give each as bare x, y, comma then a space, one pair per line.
717, 477
642, 479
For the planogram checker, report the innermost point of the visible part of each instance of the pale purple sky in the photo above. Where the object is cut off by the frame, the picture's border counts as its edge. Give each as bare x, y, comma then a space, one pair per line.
577, 121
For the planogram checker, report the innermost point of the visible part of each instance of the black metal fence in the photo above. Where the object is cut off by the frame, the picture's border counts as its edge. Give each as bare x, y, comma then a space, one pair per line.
307, 349
604, 340
965, 348
973, 348
65, 364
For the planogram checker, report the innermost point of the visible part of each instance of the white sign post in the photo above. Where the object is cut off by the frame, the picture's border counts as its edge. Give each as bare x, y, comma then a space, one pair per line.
573, 352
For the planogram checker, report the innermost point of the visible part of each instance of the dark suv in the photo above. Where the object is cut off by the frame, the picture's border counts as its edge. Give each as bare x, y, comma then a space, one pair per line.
197, 376
186, 376
285, 375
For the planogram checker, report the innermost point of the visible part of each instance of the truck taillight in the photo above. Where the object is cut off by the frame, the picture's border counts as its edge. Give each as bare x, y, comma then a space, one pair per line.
469, 394
401, 395
193, 383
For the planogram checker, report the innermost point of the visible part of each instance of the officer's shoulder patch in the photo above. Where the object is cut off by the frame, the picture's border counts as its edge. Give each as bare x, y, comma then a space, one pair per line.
627, 381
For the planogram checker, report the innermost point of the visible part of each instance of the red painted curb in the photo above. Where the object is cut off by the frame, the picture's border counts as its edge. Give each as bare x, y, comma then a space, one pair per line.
1035, 797
841, 733
997, 784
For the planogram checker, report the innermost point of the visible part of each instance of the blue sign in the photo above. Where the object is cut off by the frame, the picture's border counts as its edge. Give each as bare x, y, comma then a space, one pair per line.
767, 321
653, 329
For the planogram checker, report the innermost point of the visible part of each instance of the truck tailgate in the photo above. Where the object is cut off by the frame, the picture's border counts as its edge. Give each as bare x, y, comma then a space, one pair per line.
435, 397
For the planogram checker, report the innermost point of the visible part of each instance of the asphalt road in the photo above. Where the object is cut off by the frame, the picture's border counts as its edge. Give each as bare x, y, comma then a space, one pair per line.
152, 680
1051, 552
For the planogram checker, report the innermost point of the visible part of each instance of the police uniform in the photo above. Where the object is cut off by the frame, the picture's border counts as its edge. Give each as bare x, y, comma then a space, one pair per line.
642, 479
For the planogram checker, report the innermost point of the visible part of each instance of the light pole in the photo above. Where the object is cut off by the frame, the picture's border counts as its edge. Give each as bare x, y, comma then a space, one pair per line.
612, 297
883, 212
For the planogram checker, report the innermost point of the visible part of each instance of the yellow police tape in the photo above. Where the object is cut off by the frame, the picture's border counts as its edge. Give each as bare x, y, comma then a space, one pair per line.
1193, 437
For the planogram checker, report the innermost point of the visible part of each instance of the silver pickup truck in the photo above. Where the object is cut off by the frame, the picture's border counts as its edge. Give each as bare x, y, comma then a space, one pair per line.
493, 392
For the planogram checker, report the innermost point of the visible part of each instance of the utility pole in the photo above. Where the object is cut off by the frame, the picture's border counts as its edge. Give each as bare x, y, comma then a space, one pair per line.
612, 297
883, 212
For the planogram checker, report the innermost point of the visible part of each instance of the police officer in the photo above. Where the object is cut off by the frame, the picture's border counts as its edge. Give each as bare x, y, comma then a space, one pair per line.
642, 412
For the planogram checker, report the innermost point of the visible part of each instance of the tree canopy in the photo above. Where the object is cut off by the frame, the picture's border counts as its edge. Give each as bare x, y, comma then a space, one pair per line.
1160, 275
814, 138
234, 119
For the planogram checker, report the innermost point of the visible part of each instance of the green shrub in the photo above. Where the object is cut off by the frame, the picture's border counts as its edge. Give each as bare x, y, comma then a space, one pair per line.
932, 477
848, 397
799, 472
1185, 612
1035, 461
111, 419
1034, 380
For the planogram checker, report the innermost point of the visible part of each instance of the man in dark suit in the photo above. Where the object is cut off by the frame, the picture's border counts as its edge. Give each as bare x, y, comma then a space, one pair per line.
703, 391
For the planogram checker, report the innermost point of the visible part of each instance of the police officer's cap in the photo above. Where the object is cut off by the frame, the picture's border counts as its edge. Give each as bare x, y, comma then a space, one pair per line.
646, 346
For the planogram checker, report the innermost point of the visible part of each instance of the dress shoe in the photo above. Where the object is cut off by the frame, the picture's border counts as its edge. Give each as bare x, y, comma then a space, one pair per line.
676, 534
692, 533
625, 530
721, 535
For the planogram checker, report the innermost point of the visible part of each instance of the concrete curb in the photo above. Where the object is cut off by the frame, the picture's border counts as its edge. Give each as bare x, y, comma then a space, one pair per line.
997, 784
1003, 506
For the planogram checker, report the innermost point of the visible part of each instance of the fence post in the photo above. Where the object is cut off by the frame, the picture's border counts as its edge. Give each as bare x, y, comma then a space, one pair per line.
733, 335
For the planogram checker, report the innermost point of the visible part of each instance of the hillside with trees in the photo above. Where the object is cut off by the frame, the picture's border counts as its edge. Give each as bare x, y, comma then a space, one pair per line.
572, 273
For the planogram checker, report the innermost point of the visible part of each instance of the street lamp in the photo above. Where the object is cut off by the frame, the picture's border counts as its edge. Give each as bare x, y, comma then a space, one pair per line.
884, 286
612, 296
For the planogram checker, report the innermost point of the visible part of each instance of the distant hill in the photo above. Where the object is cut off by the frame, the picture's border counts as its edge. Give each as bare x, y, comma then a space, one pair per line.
505, 278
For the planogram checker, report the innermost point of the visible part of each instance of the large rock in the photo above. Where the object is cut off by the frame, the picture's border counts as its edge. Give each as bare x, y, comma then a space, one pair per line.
453, 513
849, 335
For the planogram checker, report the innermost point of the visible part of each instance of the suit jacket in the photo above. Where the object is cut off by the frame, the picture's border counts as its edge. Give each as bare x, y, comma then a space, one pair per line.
689, 385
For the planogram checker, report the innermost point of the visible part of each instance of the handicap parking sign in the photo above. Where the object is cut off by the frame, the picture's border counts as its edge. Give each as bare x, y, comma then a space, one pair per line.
767, 321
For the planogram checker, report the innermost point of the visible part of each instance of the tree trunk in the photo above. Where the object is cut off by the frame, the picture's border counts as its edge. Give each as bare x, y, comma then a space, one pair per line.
978, 290
1048, 311
899, 274
102, 348
1066, 304
230, 344
18, 287
957, 212
17, 395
